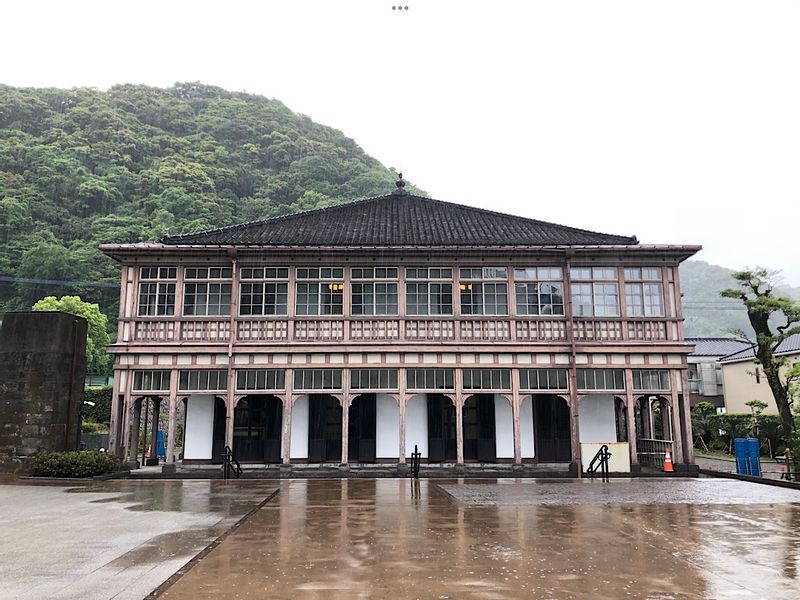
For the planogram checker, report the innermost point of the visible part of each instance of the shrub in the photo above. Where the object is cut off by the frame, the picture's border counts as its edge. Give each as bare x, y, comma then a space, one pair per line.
101, 397
82, 463
93, 427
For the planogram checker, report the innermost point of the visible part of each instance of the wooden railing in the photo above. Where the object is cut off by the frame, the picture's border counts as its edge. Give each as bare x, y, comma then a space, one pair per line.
395, 329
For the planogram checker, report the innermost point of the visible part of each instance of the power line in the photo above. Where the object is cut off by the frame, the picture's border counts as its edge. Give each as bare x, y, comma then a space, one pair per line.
106, 284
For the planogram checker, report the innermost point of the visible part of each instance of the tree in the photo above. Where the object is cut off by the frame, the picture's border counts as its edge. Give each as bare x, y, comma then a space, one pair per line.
774, 319
97, 337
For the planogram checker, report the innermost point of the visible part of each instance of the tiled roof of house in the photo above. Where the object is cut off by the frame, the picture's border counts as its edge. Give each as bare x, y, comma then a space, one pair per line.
790, 345
717, 346
400, 219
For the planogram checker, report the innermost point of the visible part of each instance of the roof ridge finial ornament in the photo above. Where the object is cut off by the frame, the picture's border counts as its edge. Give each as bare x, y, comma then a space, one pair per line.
401, 184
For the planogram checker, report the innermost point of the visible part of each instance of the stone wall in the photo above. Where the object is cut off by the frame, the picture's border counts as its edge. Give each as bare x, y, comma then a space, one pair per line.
42, 369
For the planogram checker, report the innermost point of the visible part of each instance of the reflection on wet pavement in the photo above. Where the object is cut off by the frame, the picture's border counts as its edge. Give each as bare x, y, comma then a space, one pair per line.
113, 539
404, 539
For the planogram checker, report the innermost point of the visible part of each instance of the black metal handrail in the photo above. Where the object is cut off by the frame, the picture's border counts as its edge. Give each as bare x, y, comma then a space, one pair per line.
230, 465
415, 461
601, 458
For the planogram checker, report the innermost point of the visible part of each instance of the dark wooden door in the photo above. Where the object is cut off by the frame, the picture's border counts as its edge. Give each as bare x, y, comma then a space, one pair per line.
324, 428
441, 429
273, 410
479, 428
362, 429
218, 440
257, 429
552, 437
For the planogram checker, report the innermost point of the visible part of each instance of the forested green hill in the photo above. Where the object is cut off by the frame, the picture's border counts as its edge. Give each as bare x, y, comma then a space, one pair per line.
79, 167
706, 313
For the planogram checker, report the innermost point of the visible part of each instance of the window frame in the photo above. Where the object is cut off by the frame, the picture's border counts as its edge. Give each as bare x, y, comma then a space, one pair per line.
318, 277
488, 376
538, 277
258, 278
637, 280
374, 375
209, 277
301, 376
164, 282
595, 281
427, 278
374, 277
431, 375
487, 278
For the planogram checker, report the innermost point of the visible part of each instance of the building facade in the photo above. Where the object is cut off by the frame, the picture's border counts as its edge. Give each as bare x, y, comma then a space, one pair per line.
706, 383
354, 333
745, 380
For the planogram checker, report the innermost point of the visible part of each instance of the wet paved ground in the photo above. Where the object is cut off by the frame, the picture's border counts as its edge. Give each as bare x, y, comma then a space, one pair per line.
769, 469
533, 492
115, 539
403, 539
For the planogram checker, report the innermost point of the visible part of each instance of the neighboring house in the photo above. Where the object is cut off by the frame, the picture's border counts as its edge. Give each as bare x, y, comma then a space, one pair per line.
705, 370
745, 381
352, 334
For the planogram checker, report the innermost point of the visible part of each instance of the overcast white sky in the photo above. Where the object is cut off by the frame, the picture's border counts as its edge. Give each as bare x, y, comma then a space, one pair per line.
676, 121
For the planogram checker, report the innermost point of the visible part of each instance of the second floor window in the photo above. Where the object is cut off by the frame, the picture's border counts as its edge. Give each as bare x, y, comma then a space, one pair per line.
205, 291
539, 291
157, 291
643, 292
429, 291
264, 291
320, 291
374, 291
595, 292
484, 291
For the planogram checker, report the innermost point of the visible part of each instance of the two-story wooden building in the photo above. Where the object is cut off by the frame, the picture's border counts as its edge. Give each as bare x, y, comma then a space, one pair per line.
350, 334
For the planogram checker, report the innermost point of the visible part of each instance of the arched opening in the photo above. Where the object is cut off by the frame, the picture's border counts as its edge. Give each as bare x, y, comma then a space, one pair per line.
479, 428
653, 418
204, 428
552, 431
218, 434
441, 428
324, 428
362, 429
257, 421
621, 413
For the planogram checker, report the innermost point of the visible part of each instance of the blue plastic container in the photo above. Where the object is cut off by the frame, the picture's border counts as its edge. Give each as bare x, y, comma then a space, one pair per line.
748, 459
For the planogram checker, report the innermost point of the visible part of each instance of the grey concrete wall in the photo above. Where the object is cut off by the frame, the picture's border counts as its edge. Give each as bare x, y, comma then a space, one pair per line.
42, 370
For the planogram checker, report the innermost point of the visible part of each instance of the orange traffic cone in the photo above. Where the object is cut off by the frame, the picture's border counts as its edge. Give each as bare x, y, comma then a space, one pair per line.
668, 461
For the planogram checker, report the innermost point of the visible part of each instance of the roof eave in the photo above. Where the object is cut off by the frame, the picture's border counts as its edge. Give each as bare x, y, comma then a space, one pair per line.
679, 252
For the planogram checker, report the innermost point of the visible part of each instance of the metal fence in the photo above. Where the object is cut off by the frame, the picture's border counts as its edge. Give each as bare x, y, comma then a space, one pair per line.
651, 452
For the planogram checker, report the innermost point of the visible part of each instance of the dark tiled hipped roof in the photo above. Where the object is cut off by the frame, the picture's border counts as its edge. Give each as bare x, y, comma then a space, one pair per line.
790, 345
717, 346
400, 219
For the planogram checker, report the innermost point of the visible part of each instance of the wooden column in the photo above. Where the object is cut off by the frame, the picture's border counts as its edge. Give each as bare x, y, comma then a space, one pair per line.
288, 403
515, 415
675, 416
575, 444
230, 403
459, 402
575, 433
137, 418
630, 406
115, 421
401, 404
345, 408
647, 419
686, 413
345, 427
126, 416
173, 410
154, 432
